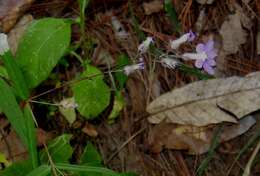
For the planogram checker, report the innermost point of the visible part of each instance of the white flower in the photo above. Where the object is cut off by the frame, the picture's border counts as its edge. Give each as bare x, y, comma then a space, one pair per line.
143, 47
132, 68
69, 103
4, 47
195, 56
169, 63
188, 37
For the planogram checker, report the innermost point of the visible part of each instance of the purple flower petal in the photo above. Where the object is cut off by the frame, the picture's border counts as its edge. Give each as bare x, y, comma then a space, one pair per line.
200, 48
208, 68
212, 54
191, 36
199, 63
211, 62
209, 46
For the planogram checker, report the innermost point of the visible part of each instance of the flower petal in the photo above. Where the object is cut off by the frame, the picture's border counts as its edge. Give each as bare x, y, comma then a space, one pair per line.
211, 62
200, 48
209, 46
212, 54
208, 68
199, 63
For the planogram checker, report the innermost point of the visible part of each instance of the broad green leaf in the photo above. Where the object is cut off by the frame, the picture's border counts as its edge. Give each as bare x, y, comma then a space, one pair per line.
43, 170
59, 150
86, 169
91, 156
117, 107
91, 94
43, 44
11, 109
121, 78
31, 135
16, 76
17, 169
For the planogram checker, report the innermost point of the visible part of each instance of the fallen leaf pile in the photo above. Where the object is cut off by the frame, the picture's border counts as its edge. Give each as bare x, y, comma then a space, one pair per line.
198, 107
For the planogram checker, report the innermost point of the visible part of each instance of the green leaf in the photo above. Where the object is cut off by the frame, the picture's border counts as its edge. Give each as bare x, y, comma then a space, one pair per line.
43, 170
4, 160
16, 76
91, 156
117, 107
86, 169
68, 110
11, 109
59, 150
168, 6
3, 72
17, 169
31, 135
43, 44
121, 78
91, 94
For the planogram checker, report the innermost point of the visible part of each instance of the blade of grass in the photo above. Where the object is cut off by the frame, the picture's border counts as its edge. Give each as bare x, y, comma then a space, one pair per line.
16, 76
136, 24
250, 143
171, 13
11, 109
43, 170
77, 168
214, 144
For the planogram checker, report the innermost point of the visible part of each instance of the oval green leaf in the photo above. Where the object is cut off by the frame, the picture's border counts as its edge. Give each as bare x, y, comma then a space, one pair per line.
43, 44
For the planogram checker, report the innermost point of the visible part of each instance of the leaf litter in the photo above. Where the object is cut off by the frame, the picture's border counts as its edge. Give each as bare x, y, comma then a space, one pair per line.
138, 93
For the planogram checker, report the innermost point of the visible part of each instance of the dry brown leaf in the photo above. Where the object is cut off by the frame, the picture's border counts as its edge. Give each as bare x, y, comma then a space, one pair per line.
196, 140
10, 11
232, 33
17, 32
152, 7
208, 102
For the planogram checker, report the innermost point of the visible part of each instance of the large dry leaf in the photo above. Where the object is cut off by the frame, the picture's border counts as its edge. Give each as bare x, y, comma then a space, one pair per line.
232, 33
196, 140
208, 102
17, 32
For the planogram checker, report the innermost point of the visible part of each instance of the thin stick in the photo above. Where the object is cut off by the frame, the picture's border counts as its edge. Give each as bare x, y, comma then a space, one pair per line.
124, 144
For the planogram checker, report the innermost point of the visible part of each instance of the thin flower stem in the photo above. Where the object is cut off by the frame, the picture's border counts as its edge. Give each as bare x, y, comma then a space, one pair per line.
44, 103
71, 82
